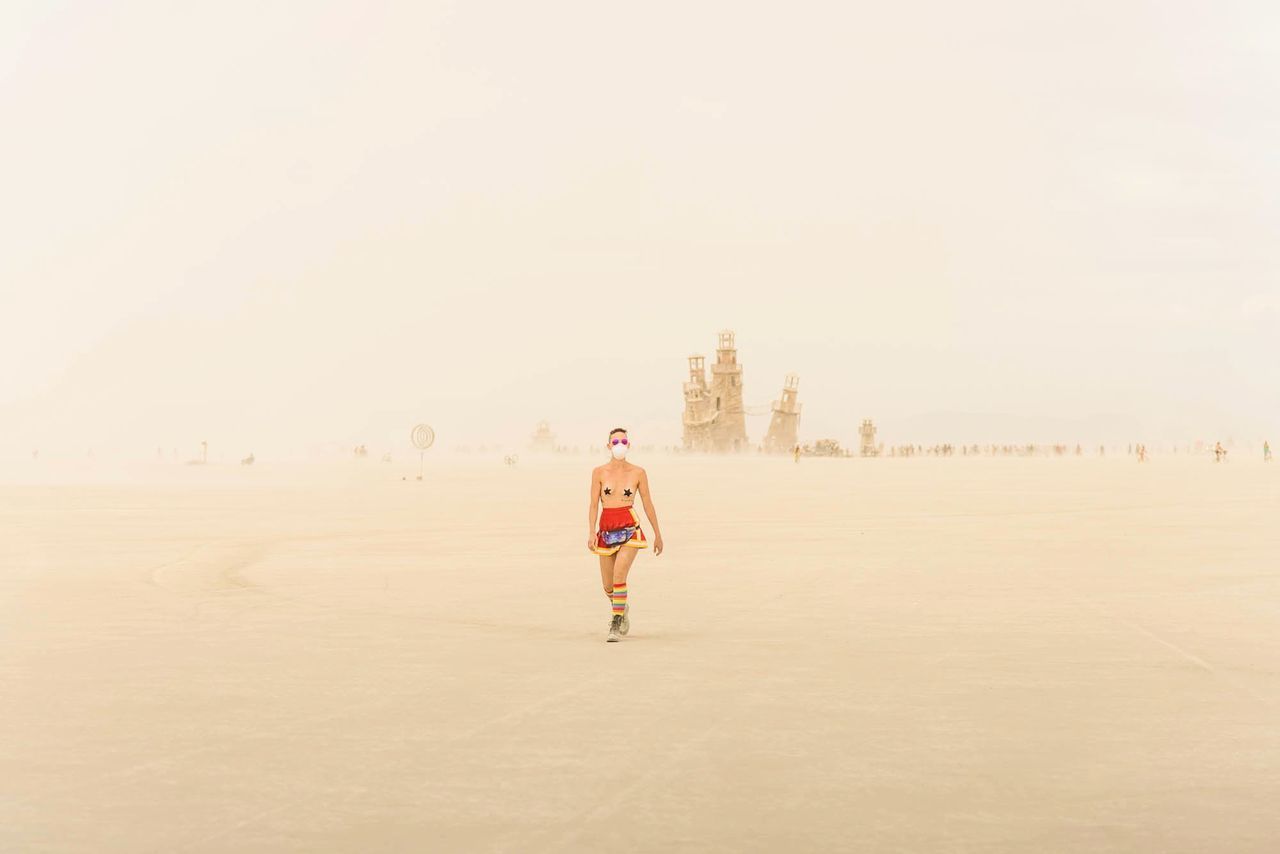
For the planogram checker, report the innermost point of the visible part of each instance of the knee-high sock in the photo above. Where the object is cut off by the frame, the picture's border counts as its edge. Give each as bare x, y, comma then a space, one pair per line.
619, 597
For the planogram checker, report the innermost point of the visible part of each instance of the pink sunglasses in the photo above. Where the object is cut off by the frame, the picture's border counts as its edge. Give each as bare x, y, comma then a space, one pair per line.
616, 441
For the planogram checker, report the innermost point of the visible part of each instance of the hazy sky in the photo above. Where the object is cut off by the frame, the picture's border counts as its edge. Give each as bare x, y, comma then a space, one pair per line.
275, 225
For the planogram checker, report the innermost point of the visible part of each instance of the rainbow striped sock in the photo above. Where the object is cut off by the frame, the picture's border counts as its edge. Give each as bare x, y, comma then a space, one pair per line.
619, 597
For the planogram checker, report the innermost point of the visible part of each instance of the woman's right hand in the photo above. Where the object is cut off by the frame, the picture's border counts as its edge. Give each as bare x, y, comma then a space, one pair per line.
591, 542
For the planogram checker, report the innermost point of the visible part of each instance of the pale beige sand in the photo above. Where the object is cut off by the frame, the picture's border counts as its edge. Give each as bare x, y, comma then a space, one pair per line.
856, 655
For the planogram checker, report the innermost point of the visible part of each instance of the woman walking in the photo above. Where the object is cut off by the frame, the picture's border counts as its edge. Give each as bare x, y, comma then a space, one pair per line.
617, 537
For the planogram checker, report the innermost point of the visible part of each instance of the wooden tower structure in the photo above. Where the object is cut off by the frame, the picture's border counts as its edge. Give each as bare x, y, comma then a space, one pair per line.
542, 439
699, 412
730, 431
784, 424
867, 433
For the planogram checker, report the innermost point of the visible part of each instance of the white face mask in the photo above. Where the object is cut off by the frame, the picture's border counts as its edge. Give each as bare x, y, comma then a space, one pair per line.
619, 450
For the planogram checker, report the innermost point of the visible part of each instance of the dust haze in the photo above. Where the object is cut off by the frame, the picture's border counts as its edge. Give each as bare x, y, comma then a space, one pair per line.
285, 231
1000, 577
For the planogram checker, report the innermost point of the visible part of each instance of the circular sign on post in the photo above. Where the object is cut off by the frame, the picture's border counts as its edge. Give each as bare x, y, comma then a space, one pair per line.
423, 436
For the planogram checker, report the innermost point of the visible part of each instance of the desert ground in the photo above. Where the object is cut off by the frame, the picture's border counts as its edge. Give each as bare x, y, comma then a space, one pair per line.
881, 655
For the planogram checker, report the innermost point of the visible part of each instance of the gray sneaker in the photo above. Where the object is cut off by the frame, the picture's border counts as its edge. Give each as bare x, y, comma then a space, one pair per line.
625, 625
614, 625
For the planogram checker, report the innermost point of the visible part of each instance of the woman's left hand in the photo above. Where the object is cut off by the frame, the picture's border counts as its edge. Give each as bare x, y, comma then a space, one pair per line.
657, 545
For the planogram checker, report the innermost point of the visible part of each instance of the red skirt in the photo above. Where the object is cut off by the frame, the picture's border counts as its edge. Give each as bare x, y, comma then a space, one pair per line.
613, 518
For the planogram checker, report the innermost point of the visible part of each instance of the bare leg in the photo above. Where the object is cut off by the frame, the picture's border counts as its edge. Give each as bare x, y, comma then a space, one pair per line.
625, 557
618, 601
606, 574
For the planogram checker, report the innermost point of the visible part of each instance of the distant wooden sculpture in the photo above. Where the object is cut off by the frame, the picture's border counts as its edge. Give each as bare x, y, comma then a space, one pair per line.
730, 433
784, 424
543, 439
699, 414
423, 437
714, 417
867, 433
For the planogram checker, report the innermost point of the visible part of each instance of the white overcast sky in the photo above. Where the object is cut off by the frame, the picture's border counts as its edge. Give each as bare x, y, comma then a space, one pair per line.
273, 225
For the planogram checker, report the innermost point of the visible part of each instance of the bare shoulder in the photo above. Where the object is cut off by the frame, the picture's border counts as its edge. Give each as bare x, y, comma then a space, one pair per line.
640, 472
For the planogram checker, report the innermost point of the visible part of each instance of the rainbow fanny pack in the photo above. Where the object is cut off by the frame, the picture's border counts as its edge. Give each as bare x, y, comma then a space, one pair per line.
618, 535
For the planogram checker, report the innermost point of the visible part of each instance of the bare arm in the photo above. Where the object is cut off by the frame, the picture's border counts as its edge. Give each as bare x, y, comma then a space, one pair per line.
593, 503
647, 500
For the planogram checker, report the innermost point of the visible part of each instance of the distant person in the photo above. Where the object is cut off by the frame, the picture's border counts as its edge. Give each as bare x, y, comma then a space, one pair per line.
618, 536
1266, 452
796, 452
1218, 452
